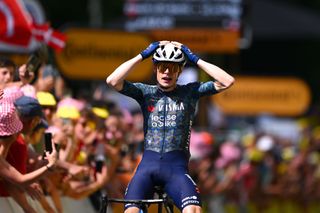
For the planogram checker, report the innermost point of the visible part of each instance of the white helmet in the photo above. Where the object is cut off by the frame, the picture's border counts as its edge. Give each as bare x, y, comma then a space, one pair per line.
169, 53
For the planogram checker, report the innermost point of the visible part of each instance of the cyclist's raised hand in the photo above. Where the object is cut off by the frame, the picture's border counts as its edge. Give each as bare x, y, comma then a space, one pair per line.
151, 48
189, 54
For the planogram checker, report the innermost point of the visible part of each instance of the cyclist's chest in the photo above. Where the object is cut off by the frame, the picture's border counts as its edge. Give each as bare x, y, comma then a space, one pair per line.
168, 111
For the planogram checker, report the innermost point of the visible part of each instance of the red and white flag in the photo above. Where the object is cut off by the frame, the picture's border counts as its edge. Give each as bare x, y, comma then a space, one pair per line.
51, 37
15, 23
17, 27
38, 31
56, 40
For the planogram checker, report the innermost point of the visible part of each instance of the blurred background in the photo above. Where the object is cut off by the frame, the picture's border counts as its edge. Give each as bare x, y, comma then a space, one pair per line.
262, 39
270, 117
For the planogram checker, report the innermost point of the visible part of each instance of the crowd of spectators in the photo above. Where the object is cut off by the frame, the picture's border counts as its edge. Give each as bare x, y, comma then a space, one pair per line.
98, 144
259, 172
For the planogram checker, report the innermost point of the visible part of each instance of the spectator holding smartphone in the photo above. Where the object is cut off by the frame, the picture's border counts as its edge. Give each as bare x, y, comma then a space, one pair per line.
17, 155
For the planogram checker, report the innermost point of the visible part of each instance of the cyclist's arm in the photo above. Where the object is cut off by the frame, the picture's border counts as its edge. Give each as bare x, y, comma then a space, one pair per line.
116, 78
222, 79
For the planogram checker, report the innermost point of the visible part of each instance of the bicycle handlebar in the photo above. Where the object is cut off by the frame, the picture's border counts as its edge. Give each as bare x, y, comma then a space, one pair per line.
136, 201
167, 204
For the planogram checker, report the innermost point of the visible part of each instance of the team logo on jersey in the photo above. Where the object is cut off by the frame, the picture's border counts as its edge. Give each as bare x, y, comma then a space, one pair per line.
171, 107
167, 107
161, 120
168, 119
151, 108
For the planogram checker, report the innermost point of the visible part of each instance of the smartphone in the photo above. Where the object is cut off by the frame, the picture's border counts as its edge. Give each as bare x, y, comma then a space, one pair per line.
99, 160
48, 142
33, 63
99, 164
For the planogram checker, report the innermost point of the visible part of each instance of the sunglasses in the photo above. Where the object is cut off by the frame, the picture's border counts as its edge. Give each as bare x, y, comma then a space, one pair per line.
172, 67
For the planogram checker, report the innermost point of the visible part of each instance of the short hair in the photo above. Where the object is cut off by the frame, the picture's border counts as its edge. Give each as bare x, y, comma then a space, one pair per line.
6, 62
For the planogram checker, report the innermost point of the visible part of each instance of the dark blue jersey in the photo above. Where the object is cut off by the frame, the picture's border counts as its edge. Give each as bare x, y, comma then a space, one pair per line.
168, 116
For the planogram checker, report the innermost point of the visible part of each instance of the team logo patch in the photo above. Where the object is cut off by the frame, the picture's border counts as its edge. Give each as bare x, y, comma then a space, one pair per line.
151, 108
191, 200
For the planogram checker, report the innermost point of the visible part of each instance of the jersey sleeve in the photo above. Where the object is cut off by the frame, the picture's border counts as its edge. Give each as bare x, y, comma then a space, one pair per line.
133, 90
200, 89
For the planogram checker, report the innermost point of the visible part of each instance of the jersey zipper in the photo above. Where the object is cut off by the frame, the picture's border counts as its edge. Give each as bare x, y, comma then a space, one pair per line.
164, 126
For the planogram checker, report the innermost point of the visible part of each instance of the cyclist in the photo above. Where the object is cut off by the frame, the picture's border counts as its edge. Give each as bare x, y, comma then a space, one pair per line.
168, 110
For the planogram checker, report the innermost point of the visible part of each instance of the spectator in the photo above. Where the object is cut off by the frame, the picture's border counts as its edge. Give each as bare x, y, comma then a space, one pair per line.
50, 80
7, 69
30, 114
48, 104
10, 127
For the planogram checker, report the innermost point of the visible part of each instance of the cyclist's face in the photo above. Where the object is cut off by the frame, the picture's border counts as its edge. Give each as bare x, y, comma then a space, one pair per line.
167, 75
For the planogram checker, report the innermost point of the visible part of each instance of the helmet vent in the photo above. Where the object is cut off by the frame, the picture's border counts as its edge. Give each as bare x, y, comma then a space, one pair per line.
171, 55
178, 56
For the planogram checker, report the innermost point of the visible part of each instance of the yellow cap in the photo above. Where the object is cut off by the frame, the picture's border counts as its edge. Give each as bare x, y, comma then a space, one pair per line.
100, 112
68, 112
247, 140
255, 155
46, 99
288, 153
